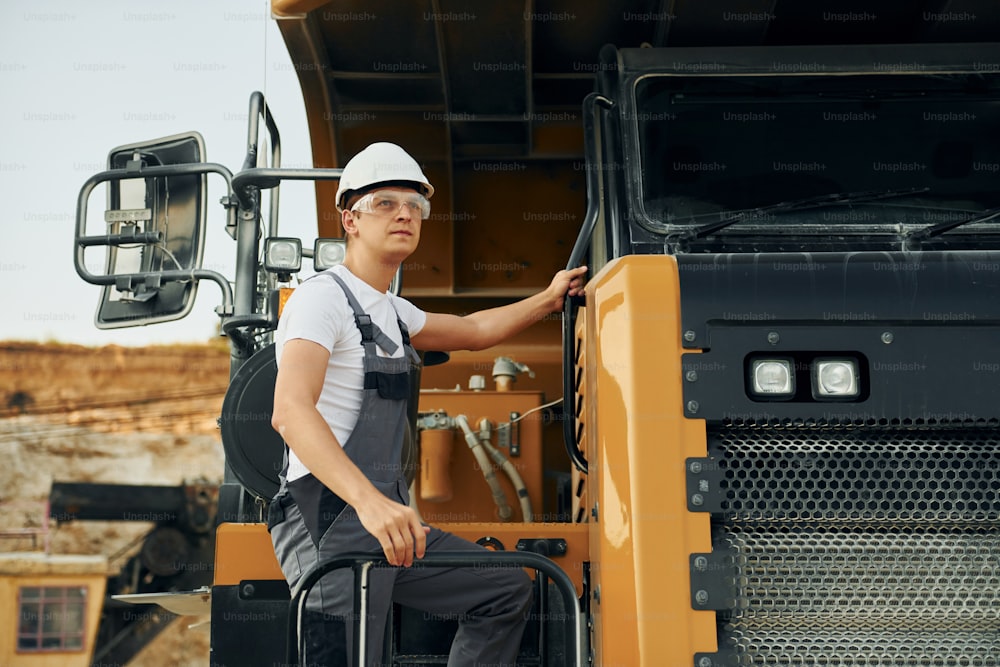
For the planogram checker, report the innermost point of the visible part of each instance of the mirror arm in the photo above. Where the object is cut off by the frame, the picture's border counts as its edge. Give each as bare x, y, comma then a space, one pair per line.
264, 178
247, 184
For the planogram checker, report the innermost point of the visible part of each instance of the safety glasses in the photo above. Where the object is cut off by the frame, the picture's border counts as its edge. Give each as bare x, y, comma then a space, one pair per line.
389, 202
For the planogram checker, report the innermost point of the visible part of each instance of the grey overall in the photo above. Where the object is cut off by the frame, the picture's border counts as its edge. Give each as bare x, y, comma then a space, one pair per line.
309, 523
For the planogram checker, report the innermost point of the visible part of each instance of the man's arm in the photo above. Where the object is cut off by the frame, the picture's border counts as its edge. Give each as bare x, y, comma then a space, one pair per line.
295, 417
486, 328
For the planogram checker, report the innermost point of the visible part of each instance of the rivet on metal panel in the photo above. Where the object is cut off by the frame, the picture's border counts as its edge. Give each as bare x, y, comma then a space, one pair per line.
693, 406
691, 376
689, 336
887, 337
773, 338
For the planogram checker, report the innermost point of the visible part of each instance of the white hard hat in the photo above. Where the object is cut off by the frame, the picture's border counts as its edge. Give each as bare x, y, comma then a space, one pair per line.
381, 163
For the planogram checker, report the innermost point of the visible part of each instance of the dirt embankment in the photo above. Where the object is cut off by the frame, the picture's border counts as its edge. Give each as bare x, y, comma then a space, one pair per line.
115, 415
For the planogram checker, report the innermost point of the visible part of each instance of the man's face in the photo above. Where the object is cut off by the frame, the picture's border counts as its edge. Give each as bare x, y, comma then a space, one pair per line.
387, 220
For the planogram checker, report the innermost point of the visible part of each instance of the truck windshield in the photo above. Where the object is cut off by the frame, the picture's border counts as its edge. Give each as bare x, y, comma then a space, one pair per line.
714, 145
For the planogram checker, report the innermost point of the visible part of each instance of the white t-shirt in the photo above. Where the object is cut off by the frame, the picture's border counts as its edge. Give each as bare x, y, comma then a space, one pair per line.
318, 311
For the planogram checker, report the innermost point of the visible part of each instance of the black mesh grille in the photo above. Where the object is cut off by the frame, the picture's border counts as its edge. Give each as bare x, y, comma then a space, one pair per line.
799, 474
866, 578
894, 648
860, 545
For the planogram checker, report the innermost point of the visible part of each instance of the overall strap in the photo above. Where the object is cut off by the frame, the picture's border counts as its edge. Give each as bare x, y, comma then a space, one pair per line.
405, 333
370, 332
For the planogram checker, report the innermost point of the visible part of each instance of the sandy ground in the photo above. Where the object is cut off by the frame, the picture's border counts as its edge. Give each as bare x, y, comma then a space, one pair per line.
116, 415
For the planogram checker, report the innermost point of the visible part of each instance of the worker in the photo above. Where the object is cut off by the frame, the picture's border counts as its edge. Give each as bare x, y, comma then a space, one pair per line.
345, 347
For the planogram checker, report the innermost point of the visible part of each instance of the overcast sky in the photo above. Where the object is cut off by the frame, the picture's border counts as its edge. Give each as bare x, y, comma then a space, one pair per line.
79, 79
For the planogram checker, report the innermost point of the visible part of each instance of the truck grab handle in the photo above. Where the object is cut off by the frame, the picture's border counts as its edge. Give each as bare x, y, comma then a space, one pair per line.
576, 258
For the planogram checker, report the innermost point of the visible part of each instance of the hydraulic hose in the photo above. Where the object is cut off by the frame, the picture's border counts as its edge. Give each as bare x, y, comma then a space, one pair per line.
484, 463
515, 478
485, 436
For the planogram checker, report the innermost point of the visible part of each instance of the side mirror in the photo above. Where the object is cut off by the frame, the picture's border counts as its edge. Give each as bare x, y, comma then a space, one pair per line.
155, 231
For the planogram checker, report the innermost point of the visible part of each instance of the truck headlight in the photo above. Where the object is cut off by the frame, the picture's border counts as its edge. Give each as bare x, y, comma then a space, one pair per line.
282, 255
772, 378
328, 253
835, 378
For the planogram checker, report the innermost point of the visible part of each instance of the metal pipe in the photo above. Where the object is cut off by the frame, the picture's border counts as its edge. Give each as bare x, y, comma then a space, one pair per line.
504, 463
484, 463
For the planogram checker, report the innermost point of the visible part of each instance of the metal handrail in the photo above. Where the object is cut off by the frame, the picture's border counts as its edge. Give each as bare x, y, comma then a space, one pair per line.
594, 198
361, 563
258, 109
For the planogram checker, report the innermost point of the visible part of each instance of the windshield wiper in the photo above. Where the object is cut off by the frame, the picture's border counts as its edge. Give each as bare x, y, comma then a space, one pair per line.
913, 239
833, 199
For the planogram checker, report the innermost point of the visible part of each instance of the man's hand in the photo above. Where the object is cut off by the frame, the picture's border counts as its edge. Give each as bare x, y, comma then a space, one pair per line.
396, 527
565, 283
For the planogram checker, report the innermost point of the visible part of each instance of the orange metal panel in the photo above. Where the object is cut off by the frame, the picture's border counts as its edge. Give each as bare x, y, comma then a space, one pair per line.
431, 266
244, 551
471, 499
422, 139
560, 139
522, 218
537, 347
282, 8
284, 293
638, 440
508, 534
579, 479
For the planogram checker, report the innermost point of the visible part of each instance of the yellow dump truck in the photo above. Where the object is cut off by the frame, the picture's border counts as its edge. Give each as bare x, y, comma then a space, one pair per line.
768, 433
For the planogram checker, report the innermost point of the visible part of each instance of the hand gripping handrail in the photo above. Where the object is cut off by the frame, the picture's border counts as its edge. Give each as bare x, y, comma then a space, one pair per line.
361, 563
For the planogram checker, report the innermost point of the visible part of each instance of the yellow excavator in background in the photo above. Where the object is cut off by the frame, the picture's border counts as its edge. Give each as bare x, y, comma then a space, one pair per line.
768, 434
